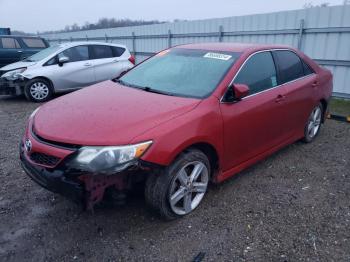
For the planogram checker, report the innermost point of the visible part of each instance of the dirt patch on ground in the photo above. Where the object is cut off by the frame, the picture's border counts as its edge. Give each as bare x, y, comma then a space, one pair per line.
293, 206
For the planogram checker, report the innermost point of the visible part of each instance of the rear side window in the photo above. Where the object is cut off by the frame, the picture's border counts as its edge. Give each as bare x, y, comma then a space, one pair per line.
258, 73
9, 42
101, 51
75, 54
34, 42
307, 69
117, 51
290, 66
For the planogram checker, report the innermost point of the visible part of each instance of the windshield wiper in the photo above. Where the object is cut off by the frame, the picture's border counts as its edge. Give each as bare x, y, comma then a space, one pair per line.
144, 88
125, 83
151, 90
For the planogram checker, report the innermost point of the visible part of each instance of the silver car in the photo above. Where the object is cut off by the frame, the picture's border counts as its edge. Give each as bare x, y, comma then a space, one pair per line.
64, 67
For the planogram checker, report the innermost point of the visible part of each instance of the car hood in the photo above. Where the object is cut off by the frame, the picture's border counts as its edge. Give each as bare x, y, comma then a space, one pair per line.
106, 114
17, 65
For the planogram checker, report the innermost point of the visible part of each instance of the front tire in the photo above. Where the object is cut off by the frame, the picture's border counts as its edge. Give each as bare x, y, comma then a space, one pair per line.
38, 90
313, 125
180, 188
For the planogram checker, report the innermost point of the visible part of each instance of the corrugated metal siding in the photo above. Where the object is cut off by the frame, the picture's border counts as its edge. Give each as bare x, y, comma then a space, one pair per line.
332, 46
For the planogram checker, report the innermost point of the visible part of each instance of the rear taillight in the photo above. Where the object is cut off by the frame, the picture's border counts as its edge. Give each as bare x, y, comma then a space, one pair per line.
132, 59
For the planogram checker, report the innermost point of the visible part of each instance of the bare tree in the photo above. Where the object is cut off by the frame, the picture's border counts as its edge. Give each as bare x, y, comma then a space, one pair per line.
311, 5
105, 23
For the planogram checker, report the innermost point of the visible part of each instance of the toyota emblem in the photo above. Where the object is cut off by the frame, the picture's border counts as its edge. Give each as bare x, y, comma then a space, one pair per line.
28, 145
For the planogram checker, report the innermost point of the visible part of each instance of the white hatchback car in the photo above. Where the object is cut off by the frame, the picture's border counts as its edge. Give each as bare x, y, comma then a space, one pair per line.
64, 67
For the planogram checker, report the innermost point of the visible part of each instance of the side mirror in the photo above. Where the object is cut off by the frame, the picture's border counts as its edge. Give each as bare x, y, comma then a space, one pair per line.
62, 60
235, 92
240, 91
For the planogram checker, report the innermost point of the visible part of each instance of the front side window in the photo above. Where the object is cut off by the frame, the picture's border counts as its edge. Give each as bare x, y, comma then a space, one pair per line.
75, 54
52, 61
181, 72
34, 42
258, 73
10, 43
289, 64
101, 51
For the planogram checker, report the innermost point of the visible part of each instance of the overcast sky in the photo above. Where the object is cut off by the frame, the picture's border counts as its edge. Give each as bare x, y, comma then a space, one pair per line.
42, 15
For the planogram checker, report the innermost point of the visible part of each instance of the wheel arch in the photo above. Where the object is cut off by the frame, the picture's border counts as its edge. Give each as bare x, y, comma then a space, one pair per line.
208, 149
44, 78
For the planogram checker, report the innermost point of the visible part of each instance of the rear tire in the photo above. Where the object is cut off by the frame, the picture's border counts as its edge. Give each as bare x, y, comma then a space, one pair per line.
181, 187
313, 124
38, 90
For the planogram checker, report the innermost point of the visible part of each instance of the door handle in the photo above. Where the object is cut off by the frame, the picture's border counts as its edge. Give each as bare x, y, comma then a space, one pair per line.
280, 98
19, 51
87, 64
314, 84
115, 60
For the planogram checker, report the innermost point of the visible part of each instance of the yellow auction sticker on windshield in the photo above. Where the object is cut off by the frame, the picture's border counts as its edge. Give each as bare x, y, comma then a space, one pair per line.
217, 56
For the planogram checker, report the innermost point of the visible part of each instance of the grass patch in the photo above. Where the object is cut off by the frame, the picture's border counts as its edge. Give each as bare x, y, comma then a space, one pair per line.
339, 106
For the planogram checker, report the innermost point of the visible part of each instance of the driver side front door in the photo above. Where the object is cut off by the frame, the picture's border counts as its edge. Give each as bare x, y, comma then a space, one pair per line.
254, 124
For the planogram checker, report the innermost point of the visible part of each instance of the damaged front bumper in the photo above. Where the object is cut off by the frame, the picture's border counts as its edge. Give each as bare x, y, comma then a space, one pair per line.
82, 187
53, 180
12, 87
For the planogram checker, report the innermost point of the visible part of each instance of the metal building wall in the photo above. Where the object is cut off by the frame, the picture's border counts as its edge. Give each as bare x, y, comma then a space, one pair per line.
323, 33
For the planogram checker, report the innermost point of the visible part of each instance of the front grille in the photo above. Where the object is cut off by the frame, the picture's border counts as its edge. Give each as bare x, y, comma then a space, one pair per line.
43, 159
54, 143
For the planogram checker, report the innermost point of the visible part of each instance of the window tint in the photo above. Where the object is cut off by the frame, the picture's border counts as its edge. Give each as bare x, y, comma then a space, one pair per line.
52, 61
117, 51
77, 53
34, 42
8, 42
290, 66
258, 73
101, 51
307, 69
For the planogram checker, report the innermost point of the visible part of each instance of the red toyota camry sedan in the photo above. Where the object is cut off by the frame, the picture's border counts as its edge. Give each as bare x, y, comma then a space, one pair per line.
187, 116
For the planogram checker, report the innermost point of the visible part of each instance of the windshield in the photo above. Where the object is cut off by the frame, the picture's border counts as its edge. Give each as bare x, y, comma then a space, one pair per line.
181, 72
42, 54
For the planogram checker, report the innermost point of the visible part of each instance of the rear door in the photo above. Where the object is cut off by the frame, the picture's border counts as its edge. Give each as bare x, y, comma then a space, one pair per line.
106, 62
76, 73
299, 82
256, 123
10, 51
32, 45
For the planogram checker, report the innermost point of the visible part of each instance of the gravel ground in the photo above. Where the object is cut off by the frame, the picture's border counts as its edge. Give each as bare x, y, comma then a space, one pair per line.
294, 206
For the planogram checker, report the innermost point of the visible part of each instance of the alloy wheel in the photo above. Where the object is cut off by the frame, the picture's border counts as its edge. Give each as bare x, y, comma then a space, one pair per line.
314, 122
188, 187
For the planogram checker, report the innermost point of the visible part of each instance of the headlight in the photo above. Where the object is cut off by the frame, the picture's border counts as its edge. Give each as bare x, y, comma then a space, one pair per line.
14, 74
108, 159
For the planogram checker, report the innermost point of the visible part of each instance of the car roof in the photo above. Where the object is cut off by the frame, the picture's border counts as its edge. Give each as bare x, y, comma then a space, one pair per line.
71, 44
232, 47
